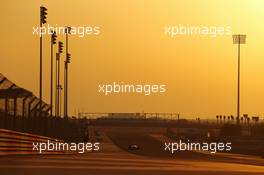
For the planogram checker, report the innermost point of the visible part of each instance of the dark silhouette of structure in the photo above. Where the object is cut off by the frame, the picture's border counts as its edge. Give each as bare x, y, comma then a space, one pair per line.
18, 101
238, 39
19, 111
58, 85
66, 62
43, 13
52, 42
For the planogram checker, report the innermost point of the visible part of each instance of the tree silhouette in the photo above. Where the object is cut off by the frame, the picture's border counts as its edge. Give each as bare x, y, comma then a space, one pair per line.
232, 118
255, 119
248, 120
241, 119
245, 118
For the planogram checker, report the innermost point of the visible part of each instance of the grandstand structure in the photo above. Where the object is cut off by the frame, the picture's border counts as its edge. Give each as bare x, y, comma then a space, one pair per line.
17, 101
137, 115
22, 111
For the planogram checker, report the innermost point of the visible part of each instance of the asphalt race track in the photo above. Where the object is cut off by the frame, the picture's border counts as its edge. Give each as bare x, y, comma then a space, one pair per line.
152, 147
115, 159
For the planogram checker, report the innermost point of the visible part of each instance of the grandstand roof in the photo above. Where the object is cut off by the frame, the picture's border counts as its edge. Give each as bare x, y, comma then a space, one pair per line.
8, 89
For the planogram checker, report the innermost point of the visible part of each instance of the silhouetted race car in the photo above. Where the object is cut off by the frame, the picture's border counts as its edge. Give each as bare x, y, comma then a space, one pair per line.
133, 147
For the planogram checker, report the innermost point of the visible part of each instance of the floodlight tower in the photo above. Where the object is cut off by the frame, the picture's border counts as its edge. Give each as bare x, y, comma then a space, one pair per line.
238, 39
66, 62
43, 18
53, 41
58, 86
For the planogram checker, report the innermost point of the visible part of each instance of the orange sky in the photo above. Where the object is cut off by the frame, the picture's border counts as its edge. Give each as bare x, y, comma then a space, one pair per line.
199, 71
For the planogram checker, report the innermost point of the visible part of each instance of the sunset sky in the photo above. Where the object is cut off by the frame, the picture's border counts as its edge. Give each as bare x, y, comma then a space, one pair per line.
200, 71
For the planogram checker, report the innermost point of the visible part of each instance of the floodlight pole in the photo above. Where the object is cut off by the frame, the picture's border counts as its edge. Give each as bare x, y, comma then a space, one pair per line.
53, 41
238, 81
67, 61
58, 85
51, 77
40, 67
238, 39
66, 90
56, 95
58, 88
66, 81
43, 17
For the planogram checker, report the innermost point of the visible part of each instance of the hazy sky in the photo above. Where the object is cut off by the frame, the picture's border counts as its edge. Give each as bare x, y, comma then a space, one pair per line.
199, 71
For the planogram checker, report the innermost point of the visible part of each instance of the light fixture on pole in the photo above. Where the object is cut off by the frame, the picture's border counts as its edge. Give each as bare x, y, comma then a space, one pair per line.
43, 18
58, 86
53, 41
238, 39
66, 62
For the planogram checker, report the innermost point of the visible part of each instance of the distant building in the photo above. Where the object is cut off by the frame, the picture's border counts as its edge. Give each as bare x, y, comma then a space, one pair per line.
126, 116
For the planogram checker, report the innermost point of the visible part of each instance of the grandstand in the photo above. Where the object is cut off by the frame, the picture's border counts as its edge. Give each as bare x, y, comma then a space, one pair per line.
20, 111
18, 101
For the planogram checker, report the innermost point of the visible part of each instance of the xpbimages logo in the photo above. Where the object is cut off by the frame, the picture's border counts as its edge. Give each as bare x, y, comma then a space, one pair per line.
80, 31
119, 88
212, 147
190, 30
40, 147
